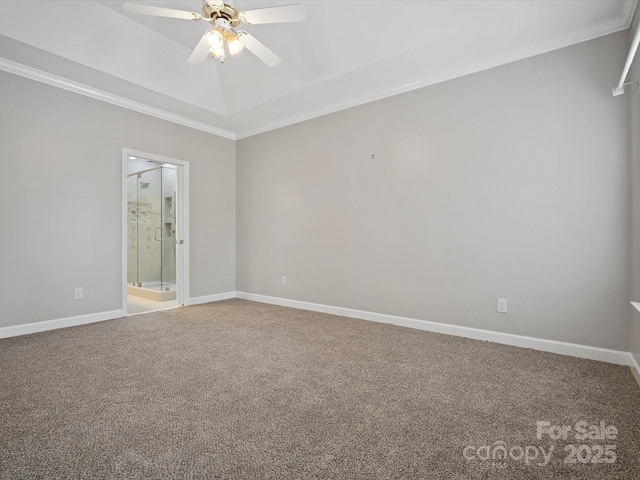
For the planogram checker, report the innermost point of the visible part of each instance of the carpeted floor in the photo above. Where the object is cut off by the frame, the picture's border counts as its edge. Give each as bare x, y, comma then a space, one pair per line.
242, 390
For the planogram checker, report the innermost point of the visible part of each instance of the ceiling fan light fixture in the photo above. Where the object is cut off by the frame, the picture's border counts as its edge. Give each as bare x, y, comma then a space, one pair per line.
215, 38
235, 45
225, 18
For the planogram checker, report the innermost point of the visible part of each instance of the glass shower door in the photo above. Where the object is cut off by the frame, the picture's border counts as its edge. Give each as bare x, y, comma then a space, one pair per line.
132, 230
144, 234
168, 234
150, 236
152, 264
151, 231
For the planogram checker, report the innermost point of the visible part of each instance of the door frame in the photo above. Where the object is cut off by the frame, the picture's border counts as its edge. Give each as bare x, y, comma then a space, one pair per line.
182, 222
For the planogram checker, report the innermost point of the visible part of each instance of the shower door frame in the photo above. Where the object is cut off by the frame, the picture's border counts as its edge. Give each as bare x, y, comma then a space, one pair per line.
182, 222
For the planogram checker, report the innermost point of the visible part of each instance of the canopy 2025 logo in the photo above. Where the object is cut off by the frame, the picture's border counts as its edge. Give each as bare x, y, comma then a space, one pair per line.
583, 451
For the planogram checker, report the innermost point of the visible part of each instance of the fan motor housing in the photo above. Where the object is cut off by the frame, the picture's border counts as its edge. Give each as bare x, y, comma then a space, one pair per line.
212, 13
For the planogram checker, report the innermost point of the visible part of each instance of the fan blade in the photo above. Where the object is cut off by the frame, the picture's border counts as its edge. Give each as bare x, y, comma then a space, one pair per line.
200, 53
160, 11
259, 49
286, 13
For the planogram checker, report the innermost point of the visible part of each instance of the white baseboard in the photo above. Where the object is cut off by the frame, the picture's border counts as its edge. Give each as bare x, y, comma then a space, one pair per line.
216, 297
563, 348
617, 357
635, 368
15, 330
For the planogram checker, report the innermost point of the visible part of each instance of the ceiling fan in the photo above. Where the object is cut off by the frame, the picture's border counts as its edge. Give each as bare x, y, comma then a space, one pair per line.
225, 19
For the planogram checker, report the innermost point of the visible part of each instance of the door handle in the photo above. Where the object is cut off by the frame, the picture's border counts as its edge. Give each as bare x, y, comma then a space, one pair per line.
181, 242
155, 234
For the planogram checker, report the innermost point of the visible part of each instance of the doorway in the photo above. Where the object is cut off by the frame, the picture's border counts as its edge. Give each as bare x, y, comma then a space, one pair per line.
154, 219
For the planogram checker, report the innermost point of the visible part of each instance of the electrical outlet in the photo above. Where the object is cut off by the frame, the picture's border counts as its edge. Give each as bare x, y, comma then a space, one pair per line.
78, 293
284, 280
502, 305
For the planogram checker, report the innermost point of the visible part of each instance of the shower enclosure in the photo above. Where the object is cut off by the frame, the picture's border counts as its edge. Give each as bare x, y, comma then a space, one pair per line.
151, 230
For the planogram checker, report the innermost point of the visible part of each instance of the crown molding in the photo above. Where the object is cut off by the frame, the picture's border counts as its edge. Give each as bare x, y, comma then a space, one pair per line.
619, 23
97, 94
614, 25
628, 11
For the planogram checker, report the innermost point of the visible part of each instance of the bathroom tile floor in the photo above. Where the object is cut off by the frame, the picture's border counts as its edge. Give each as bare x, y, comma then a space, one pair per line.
137, 305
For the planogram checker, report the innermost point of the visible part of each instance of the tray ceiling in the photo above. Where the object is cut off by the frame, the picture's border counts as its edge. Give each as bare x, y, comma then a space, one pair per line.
345, 53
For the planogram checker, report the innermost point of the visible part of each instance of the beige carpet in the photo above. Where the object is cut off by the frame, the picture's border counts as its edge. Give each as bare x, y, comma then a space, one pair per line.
242, 390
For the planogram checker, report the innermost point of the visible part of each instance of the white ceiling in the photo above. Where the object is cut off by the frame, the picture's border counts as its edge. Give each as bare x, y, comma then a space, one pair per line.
345, 53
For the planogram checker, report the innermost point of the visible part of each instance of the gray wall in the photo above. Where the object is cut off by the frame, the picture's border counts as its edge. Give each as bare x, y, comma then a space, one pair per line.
60, 200
510, 183
633, 96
